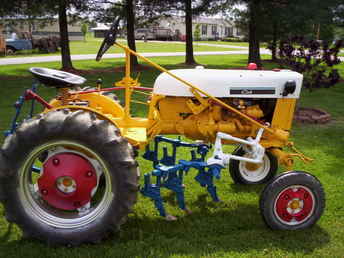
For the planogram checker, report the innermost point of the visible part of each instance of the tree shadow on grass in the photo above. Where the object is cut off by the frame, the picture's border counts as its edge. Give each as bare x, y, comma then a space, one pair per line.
208, 230
214, 228
237, 188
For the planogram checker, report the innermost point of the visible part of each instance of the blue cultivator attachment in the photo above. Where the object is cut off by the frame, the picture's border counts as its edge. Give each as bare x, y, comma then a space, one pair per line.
169, 174
28, 95
18, 106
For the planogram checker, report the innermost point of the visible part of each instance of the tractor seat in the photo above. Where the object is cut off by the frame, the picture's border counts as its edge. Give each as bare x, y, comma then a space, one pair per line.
56, 78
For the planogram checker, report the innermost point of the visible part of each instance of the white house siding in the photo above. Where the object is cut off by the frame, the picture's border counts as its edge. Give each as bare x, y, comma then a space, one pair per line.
47, 29
52, 29
213, 27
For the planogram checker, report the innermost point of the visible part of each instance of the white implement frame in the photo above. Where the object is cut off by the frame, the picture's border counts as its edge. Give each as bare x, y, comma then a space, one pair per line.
251, 146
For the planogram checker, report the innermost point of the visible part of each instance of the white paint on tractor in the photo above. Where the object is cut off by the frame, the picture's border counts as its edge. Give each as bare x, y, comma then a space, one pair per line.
229, 83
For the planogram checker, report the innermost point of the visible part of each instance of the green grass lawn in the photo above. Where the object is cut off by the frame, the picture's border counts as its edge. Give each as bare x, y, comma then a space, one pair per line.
241, 44
233, 228
92, 45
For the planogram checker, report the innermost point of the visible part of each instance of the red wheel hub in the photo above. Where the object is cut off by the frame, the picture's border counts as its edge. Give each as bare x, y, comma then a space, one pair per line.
294, 204
67, 181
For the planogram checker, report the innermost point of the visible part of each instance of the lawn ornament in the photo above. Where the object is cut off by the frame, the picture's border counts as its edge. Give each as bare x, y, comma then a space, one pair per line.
68, 175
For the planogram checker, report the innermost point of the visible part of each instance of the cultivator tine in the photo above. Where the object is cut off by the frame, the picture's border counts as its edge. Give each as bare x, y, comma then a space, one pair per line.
171, 175
149, 154
167, 160
175, 184
152, 191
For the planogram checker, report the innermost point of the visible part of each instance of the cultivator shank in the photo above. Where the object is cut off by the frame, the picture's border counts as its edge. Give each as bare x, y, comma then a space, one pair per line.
169, 174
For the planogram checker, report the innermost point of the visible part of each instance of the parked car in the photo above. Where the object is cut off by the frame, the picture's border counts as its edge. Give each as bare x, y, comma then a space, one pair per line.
163, 34
144, 34
13, 44
155, 33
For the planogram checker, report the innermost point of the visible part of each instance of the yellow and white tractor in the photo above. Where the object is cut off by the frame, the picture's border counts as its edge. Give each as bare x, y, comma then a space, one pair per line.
68, 175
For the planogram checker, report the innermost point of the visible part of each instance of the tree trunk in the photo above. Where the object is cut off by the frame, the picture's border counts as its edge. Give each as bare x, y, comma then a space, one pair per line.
63, 24
189, 56
318, 31
130, 31
253, 34
274, 42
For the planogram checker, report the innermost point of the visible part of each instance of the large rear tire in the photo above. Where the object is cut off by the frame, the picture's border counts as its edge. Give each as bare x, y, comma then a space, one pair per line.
67, 205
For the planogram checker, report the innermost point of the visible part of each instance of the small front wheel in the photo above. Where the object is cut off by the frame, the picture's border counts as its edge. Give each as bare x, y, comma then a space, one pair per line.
293, 200
249, 173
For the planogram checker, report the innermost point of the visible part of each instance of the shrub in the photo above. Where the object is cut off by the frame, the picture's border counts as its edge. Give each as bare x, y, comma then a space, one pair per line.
314, 59
197, 33
232, 39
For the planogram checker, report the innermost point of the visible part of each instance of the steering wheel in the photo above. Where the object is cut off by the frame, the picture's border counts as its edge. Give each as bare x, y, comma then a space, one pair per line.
109, 40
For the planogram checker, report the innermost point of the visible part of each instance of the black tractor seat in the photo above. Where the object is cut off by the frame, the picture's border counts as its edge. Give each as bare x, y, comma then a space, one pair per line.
56, 78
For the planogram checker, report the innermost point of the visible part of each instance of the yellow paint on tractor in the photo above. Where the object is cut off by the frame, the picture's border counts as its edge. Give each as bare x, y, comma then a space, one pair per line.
198, 118
287, 108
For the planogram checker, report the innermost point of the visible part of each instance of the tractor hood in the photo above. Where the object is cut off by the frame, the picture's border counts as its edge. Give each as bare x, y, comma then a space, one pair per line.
231, 83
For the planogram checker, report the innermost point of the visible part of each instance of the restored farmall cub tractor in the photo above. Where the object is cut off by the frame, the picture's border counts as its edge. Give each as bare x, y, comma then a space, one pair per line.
68, 175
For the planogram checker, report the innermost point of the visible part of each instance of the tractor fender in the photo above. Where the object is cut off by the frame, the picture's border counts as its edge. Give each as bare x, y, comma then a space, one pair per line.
96, 101
99, 114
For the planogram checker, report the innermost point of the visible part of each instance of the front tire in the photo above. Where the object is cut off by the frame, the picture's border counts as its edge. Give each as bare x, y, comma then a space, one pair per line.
293, 200
10, 50
248, 173
67, 205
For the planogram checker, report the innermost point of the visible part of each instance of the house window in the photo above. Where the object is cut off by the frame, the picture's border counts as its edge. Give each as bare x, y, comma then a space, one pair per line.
213, 30
229, 31
204, 29
238, 32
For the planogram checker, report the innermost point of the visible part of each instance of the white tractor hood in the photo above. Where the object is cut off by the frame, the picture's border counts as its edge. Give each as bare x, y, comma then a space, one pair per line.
230, 83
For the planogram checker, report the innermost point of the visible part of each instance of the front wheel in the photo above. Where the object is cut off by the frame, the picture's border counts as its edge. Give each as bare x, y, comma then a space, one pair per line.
67, 178
10, 50
249, 173
293, 200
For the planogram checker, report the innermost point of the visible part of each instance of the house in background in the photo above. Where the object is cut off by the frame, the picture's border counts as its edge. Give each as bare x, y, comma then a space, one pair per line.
39, 27
210, 28
100, 31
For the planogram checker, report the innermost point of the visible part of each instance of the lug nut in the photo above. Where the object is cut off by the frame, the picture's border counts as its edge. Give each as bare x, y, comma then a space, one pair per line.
89, 173
44, 191
56, 162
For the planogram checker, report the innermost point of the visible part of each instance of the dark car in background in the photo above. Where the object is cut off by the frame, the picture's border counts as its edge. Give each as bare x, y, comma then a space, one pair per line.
154, 33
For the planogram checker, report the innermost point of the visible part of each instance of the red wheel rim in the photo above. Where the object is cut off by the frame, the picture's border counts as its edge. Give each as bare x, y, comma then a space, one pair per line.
294, 205
67, 181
